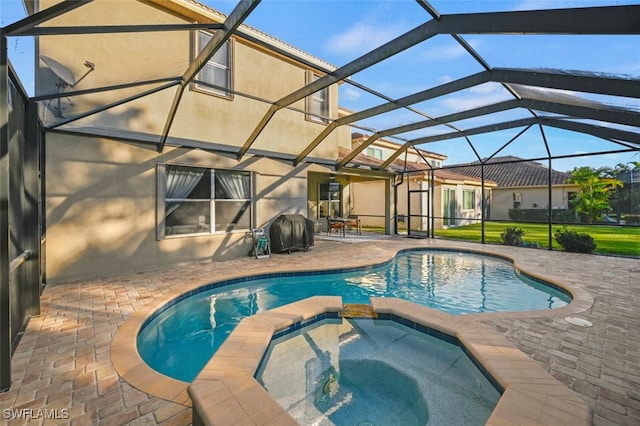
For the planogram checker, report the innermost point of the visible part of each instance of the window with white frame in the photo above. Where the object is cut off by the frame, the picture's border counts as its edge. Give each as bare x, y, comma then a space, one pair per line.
318, 102
215, 76
375, 153
197, 200
468, 199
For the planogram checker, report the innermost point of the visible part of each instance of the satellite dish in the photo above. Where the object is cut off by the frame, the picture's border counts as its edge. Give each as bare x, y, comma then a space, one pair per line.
65, 77
59, 70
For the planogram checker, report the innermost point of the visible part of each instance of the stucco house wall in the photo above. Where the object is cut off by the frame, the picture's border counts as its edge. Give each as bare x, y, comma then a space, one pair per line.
531, 198
101, 191
128, 57
369, 205
101, 207
369, 202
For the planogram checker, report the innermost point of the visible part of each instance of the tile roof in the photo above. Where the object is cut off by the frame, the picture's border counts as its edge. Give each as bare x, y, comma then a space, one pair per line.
414, 169
510, 171
357, 135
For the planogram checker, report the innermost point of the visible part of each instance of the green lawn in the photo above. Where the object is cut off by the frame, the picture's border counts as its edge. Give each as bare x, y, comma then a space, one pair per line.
608, 239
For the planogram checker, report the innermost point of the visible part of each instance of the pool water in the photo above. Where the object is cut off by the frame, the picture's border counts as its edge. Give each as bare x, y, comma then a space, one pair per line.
180, 340
374, 372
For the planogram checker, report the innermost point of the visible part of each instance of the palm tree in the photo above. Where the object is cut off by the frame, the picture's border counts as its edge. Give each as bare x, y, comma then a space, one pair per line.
595, 188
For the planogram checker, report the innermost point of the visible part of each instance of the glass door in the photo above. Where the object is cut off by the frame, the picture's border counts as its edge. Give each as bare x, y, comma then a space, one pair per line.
449, 206
330, 200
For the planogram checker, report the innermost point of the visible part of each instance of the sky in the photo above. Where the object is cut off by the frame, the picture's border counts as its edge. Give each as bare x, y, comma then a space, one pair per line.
339, 31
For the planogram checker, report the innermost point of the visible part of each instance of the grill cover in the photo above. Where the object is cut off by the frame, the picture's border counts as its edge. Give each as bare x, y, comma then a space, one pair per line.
291, 231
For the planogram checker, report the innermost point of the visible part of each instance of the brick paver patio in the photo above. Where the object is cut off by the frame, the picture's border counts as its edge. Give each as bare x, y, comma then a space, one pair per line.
62, 367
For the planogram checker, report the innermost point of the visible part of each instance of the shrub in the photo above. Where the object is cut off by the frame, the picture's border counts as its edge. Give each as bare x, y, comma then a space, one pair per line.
542, 215
573, 241
512, 236
632, 219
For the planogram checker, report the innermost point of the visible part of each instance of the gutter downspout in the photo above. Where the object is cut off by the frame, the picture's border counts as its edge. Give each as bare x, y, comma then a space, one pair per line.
397, 183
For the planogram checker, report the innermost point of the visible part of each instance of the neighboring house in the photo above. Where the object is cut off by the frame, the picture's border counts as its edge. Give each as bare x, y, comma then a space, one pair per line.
520, 185
382, 149
115, 202
457, 199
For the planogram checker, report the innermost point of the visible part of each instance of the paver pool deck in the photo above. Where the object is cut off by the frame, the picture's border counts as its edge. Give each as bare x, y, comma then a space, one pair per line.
63, 365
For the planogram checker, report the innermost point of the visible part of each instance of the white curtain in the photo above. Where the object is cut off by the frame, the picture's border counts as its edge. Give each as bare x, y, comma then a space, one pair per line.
180, 182
235, 185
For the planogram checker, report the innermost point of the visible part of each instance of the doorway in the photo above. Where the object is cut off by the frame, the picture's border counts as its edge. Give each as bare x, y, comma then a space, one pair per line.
329, 199
419, 224
449, 206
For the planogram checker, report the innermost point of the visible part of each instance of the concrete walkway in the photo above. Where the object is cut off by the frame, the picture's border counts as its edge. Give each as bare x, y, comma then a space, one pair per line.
63, 369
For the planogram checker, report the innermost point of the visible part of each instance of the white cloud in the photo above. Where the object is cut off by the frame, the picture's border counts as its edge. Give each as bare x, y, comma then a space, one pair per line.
540, 5
487, 88
484, 94
451, 50
349, 93
625, 69
463, 103
362, 37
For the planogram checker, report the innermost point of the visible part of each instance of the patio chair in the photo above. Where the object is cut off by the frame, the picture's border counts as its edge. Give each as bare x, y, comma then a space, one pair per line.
333, 224
355, 223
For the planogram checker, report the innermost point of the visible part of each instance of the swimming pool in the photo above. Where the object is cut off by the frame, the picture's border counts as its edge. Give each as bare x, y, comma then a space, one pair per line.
181, 337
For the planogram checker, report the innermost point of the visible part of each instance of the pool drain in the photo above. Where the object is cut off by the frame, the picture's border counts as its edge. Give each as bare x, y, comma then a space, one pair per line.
366, 423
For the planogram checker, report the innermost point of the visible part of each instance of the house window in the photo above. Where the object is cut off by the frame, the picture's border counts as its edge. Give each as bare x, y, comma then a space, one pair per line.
517, 200
196, 200
375, 153
317, 103
215, 76
468, 199
436, 163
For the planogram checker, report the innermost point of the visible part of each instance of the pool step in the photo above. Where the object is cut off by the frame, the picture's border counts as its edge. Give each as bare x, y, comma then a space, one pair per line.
358, 310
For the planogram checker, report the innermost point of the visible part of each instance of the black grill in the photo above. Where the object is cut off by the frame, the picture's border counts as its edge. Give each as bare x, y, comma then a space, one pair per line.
291, 231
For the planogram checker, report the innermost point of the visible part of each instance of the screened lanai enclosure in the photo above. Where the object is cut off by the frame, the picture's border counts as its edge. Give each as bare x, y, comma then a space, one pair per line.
101, 100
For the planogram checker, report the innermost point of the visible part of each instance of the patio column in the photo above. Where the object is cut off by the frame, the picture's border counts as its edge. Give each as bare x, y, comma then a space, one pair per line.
31, 214
389, 211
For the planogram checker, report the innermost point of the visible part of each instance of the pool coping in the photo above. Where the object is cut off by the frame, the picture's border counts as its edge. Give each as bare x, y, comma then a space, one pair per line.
225, 392
132, 368
531, 395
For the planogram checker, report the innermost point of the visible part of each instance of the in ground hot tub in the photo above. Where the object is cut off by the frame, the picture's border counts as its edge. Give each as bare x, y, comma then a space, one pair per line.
368, 372
227, 390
